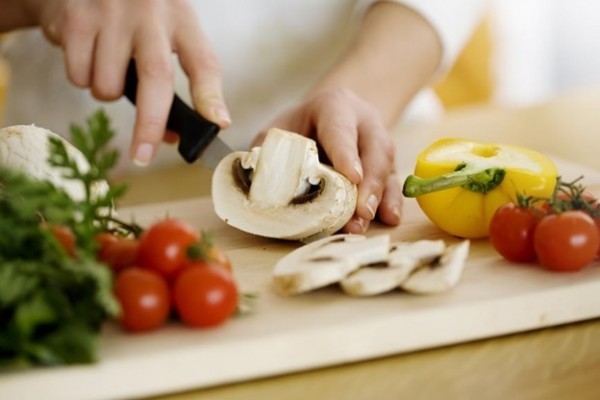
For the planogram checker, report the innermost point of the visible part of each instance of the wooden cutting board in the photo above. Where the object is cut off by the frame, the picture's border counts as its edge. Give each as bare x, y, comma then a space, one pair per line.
318, 329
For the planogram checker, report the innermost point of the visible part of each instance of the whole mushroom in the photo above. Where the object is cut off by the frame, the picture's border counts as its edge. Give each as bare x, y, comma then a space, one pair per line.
25, 148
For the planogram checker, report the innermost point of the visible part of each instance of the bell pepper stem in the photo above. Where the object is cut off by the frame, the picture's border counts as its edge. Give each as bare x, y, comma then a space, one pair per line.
476, 180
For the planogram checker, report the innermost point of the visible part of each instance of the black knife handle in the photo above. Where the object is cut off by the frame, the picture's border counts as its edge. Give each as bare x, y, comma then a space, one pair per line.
195, 132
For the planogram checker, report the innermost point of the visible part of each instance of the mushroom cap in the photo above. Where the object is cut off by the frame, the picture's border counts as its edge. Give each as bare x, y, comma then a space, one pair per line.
290, 163
25, 148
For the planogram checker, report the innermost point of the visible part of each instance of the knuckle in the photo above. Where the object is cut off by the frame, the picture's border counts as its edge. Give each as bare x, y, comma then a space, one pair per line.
151, 128
76, 21
210, 62
106, 90
158, 67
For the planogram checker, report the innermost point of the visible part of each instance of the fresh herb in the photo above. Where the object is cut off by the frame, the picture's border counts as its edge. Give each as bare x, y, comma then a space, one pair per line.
52, 305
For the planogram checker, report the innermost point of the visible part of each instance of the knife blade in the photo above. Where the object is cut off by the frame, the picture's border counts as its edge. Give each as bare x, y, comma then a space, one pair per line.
198, 137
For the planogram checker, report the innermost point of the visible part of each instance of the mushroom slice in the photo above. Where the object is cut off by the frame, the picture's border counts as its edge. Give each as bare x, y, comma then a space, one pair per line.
442, 274
327, 261
281, 190
25, 148
403, 259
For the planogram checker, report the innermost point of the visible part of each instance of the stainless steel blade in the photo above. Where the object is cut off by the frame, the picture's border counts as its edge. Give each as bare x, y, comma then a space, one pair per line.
214, 153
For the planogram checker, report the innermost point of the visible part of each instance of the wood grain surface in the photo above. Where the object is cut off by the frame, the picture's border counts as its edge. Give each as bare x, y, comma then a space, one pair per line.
550, 363
553, 363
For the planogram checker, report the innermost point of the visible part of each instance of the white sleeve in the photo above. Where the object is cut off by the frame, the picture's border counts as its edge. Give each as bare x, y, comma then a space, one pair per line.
453, 20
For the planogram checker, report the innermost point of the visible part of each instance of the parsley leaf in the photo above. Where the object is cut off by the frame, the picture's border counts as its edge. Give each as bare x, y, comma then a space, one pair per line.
52, 306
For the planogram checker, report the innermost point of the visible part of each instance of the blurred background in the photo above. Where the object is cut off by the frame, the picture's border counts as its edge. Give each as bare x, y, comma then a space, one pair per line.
525, 52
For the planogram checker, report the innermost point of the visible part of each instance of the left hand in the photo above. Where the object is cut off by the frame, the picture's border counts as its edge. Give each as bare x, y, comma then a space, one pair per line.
353, 136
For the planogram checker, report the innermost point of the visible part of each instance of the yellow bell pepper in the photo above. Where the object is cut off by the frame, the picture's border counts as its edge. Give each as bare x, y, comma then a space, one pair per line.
459, 184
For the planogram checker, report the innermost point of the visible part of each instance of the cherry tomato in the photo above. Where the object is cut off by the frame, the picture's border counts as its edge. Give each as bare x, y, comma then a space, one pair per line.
205, 296
567, 241
65, 237
103, 238
118, 252
163, 247
144, 299
511, 232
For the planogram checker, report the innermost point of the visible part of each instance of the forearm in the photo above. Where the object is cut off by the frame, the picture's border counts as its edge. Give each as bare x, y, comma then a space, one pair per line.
15, 14
395, 54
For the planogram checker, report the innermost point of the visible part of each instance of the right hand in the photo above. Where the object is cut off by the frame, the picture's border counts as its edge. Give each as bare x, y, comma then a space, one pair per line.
99, 37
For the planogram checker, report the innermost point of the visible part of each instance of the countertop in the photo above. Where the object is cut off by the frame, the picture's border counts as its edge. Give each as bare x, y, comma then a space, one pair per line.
552, 363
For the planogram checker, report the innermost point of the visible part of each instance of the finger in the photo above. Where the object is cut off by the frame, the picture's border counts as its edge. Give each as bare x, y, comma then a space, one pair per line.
112, 55
377, 154
356, 225
201, 65
154, 94
78, 39
337, 134
390, 208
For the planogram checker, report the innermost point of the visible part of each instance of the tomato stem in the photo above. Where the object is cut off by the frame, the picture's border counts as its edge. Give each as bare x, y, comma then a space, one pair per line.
475, 180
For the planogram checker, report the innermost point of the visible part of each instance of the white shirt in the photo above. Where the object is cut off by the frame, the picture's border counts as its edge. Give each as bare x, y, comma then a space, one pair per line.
271, 52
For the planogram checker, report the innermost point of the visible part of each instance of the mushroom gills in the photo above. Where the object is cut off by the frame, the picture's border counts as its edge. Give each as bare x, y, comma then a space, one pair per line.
403, 259
327, 261
441, 275
366, 266
281, 190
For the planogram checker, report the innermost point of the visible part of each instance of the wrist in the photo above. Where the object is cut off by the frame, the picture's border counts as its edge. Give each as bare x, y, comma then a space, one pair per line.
394, 55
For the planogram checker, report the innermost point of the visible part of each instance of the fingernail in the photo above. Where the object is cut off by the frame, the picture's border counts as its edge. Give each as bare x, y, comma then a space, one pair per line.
360, 223
143, 154
371, 205
396, 210
358, 168
222, 115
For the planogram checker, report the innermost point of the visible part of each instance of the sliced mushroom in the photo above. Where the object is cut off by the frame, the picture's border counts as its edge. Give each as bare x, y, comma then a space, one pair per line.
281, 190
327, 261
25, 148
442, 274
403, 259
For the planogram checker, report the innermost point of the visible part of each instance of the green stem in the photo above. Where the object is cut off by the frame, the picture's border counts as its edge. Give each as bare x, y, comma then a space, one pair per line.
476, 180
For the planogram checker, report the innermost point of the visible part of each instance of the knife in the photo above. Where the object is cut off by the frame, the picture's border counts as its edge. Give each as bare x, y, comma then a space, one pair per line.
197, 136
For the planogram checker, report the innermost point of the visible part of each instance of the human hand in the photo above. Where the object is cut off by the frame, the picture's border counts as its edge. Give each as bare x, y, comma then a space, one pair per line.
99, 37
352, 134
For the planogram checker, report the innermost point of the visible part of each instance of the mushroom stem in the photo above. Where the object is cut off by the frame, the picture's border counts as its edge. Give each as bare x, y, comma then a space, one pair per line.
281, 170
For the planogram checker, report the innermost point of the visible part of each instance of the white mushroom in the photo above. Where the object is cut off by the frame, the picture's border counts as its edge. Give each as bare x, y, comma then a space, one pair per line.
440, 275
403, 259
327, 261
25, 148
281, 190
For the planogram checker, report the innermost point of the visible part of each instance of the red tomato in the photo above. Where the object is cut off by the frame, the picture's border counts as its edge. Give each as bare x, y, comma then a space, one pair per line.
567, 241
144, 299
163, 247
65, 237
511, 232
119, 253
104, 238
205, 296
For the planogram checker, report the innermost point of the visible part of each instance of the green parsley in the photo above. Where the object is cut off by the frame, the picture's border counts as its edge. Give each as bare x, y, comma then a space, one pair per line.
52, 306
